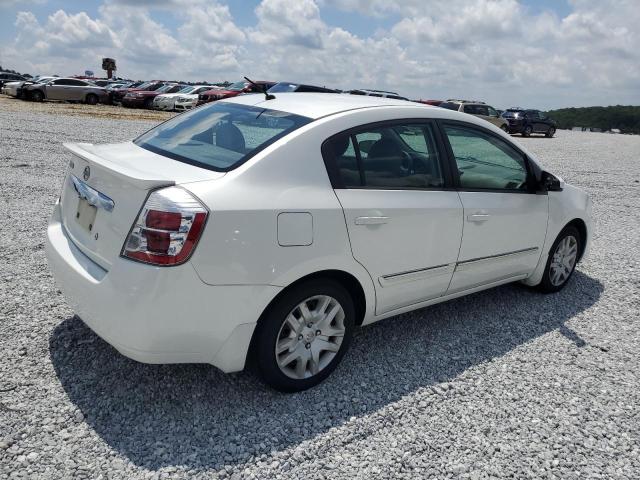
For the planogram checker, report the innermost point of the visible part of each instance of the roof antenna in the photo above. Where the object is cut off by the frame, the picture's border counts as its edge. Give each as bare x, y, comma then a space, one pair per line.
262, 87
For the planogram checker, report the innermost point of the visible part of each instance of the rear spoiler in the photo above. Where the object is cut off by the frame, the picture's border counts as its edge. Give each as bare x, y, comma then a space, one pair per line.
127, 171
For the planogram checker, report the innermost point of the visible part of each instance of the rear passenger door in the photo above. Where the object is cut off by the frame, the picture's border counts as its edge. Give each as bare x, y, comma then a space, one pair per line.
404, 222
76, 90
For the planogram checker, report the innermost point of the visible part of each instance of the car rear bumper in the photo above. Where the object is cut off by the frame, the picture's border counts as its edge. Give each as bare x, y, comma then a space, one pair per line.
515, 127
157, 314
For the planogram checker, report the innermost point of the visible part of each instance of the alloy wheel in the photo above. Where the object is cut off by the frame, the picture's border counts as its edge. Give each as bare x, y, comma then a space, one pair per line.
563, 261
310, 337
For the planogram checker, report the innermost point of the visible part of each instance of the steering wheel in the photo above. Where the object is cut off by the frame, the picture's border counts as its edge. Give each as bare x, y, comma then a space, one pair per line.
406, 165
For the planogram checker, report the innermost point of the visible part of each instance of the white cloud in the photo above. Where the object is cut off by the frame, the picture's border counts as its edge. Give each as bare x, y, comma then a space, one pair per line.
499, 50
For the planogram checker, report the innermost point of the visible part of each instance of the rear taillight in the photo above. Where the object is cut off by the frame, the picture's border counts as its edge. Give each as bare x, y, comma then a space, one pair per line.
167, 228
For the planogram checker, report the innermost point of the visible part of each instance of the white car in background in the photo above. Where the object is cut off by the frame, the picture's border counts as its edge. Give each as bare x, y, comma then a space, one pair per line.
189, 101
168, 101
266, 230
14, 89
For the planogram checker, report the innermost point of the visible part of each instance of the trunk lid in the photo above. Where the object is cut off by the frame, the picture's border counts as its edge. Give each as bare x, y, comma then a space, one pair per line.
105, 188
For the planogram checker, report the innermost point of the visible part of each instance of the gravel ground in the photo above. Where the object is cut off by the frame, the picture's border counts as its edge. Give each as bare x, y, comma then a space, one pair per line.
11, 104
506, 383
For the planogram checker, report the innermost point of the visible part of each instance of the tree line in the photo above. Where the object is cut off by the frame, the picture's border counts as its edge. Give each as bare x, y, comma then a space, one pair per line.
623, 117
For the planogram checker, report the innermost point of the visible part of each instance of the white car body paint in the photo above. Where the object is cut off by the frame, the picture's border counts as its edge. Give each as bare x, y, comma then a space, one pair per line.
275, 219
169, 101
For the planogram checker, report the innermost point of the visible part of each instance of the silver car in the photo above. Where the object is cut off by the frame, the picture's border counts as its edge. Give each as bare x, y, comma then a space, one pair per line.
69, 89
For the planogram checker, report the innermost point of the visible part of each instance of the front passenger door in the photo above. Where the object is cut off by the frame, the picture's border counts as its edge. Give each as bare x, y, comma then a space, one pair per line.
505, 222
56, 90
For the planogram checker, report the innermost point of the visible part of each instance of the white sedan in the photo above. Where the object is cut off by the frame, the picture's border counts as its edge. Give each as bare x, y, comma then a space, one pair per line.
169, 101
265, 231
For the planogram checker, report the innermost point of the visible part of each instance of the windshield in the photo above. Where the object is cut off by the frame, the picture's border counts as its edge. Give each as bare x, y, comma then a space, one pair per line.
283, 87
235, 87
187, 89
220, 136
166, 88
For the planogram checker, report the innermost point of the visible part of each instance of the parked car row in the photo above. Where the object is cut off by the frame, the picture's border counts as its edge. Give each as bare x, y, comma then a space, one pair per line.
180, 97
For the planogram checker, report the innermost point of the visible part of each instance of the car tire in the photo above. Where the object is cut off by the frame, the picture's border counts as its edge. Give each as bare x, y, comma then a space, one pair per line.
526, 132
37, 96
148, 104
550, 133
91, 99
561, 262
303, 337
504, 128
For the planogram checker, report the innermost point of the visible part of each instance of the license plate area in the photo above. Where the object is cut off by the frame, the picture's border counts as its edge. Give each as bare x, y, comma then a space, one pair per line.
86, 214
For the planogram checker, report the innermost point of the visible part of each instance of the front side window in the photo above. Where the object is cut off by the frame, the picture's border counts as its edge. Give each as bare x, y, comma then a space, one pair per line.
485, 161
221, 135
492, 112
397, 156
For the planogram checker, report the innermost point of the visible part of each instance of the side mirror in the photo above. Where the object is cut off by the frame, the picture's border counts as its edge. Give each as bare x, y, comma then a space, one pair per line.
550, 183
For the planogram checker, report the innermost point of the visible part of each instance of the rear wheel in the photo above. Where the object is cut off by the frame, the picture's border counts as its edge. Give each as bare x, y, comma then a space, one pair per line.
91, 99
550, 133
527, 131
562, 260
304, 335
504, 128
37, 96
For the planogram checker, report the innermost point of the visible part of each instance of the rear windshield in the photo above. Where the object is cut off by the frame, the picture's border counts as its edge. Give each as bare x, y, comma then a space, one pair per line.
512, 113
219, 136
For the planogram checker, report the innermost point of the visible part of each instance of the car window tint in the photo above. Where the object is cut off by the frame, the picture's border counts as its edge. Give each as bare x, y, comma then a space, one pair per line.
485, 161
220, 136
492, 111
482, 110
394, 156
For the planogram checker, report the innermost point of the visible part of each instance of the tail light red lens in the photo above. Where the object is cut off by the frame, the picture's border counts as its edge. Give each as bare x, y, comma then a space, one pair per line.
167, 228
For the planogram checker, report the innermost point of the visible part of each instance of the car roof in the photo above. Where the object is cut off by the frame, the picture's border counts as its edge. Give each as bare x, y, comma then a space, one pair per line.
316, 105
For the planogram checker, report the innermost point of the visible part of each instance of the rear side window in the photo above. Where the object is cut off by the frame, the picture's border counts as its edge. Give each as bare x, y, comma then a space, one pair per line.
220, 136
397, 156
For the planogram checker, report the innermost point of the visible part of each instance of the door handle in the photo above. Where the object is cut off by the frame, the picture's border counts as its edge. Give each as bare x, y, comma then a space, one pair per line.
478, 217
371, 220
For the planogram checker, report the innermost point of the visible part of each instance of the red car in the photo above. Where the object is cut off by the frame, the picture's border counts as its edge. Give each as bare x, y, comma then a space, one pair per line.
233, 90
119, 93
144, 98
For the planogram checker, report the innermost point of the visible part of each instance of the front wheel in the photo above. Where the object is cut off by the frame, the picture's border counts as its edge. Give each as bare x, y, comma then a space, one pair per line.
504, 128
148, 104
37, 96
91, 99
550, 133
304, 335
527, 131
562, 260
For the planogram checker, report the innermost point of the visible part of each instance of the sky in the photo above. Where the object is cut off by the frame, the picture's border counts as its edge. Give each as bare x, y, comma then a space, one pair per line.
530, 53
